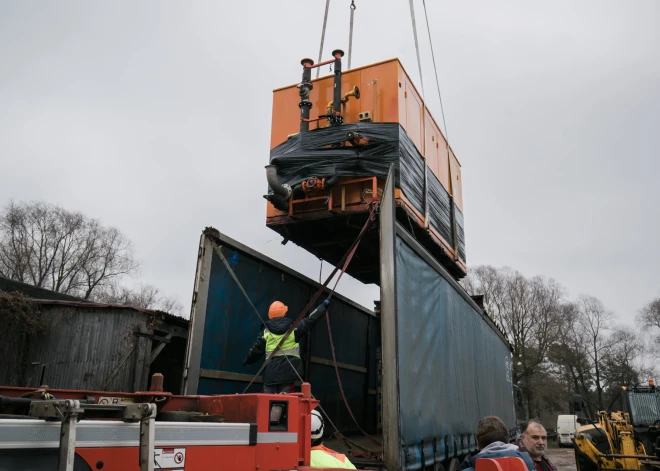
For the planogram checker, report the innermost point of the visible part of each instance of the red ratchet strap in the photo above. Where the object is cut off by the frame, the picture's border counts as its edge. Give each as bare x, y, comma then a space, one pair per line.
341, 388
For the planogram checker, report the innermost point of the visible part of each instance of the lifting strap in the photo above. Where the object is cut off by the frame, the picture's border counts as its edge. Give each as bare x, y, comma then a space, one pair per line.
346, 259
240, 286
341, 388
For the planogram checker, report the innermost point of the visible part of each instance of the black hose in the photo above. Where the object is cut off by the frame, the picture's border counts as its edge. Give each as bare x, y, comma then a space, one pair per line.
332, 181
16, 401
274, 184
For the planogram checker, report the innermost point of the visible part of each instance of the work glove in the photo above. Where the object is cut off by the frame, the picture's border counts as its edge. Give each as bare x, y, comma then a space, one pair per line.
245, 362
326, 303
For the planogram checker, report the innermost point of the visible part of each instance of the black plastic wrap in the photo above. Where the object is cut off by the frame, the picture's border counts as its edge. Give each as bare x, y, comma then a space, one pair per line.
412, 171
460, 234
311, 154
440, 208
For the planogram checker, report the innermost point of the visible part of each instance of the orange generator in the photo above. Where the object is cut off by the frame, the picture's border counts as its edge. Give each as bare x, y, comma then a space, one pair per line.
333, 140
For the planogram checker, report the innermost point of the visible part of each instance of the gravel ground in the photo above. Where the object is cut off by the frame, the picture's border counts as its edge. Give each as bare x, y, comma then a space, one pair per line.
562, 458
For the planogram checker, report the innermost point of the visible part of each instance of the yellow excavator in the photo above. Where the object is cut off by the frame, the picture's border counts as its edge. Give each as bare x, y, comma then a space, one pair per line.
626, 440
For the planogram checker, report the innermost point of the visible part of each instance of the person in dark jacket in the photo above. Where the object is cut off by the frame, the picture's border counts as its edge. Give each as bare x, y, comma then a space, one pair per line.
279, 375
493, 442
534, 440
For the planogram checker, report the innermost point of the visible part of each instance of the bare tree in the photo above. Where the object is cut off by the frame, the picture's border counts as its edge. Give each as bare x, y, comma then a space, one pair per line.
619, 363
528, 311
560, 347
50, 247
170, 305
143, 297
595, 320
569, 353
649, 316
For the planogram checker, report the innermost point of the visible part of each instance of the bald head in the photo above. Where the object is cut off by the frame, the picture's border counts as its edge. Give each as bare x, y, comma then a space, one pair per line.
535, 439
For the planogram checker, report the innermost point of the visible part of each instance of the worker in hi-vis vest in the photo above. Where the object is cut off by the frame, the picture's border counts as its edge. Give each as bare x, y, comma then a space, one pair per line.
280, 372
320, 456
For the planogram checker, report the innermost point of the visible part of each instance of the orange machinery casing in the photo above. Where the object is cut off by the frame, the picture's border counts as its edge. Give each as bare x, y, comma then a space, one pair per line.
388, 94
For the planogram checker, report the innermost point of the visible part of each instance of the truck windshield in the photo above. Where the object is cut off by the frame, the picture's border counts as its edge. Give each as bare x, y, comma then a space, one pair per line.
644, 407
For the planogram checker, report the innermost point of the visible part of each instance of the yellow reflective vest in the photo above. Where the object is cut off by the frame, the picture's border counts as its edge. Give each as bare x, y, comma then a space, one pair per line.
322, 457
289, 346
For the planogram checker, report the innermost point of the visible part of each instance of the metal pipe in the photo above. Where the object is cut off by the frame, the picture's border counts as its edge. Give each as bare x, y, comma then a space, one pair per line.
337, 54
15, 401
314, 66
303, 90
156, 382
271, 176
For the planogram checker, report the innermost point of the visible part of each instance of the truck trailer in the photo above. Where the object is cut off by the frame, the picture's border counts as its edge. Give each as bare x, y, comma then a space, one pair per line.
418, 372
380, 184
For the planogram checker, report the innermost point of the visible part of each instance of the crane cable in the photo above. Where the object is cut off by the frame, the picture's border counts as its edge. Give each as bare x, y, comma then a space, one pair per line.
325, 23
350, 34
419, 61
435, 69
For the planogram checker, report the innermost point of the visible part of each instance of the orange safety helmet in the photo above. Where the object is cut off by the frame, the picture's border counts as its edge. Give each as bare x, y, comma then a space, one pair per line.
277, 309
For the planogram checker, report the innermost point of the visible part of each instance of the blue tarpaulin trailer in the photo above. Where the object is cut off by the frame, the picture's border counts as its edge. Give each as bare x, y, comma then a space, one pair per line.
445, 364
224, 327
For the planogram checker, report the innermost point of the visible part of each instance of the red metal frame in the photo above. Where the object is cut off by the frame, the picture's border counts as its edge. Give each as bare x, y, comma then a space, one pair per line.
237, 408
329, 197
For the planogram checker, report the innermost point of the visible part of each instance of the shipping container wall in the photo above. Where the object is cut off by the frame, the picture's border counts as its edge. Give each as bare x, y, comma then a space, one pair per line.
227, 326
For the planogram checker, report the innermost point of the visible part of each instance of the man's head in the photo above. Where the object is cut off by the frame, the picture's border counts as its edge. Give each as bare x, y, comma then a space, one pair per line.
534, 439
277, 310
316, 428
490, 430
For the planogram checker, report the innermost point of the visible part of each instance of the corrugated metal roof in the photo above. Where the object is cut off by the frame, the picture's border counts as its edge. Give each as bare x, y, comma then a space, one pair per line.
46, 296
85, 304
11, 286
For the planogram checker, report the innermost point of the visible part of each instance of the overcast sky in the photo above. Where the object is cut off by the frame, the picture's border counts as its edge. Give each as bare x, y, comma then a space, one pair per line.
154, 116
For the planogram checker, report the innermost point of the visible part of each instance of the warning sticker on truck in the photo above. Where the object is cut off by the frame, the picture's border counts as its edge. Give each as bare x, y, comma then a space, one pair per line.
169, 458
114, 400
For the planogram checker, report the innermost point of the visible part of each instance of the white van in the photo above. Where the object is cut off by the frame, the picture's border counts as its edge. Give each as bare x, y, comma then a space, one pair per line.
566, 427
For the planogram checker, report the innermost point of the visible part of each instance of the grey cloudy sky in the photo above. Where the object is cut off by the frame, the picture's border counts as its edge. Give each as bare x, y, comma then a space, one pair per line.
154, 116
